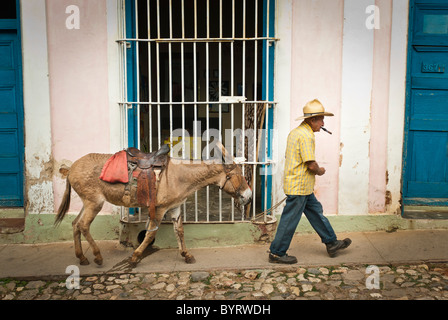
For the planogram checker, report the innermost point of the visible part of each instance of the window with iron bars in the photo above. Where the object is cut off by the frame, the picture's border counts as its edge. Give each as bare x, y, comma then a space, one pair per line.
196, 69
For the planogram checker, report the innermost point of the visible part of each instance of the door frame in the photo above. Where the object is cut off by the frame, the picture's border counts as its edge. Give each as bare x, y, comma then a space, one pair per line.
405, 170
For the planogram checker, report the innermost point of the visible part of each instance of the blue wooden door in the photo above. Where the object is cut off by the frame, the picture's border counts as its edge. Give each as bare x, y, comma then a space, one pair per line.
11, 108
426, 139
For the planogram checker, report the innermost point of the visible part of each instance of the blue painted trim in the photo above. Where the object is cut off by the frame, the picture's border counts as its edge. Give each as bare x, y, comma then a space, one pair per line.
268, 95
131, 67
405, 173
424, 202
131, 81
20, 111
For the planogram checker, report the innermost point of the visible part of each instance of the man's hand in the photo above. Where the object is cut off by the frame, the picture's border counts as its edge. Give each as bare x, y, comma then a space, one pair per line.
320, 171
314, 168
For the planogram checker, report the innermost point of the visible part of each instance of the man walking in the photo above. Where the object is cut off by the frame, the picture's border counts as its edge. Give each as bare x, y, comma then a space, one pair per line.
301, 169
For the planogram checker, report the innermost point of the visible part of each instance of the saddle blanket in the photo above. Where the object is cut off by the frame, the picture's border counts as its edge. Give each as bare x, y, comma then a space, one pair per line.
116, 168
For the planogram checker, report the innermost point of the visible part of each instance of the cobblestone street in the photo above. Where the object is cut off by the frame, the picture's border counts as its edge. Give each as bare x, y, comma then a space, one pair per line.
351, 282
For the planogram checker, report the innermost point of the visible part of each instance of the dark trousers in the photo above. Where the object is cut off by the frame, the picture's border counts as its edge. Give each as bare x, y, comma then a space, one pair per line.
292, 212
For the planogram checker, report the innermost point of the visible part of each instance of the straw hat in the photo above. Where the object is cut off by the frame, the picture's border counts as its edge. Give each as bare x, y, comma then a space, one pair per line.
314, 109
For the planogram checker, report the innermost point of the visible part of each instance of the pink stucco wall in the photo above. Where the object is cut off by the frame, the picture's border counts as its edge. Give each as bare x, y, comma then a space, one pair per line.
317, 43
78, 83
379, 109
316, 73
78, 77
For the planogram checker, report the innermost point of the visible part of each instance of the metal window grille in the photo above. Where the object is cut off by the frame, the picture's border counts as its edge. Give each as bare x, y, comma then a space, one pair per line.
190, 66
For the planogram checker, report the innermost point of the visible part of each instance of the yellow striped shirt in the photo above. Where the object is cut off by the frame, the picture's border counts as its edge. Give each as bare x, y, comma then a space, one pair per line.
298, 180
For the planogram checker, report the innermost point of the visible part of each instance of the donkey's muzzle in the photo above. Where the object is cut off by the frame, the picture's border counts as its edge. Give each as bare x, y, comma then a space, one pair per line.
246, 197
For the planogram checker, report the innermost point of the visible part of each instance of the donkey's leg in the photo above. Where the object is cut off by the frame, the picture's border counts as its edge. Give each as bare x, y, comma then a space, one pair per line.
77, 239
178, 226
149, 237
91, 209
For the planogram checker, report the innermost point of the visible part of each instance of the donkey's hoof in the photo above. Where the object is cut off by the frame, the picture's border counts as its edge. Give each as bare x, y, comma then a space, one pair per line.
84, 262
190, 259
134, 261
98, 261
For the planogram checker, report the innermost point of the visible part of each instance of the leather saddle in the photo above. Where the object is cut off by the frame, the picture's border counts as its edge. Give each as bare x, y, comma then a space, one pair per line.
147, 168
144, 160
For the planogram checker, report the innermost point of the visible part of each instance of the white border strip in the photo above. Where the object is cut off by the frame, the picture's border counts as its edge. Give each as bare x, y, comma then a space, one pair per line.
397, 100
357, 62
36, 100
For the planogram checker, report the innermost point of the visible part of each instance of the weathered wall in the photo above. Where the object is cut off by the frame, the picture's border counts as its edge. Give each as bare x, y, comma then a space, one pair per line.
379, 109
325, 51
78, 67
316, 73
71, 85
353, 59
36, 96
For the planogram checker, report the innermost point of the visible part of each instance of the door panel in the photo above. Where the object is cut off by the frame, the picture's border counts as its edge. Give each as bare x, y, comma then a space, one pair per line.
429, 110
428, 171
11, 121
426, 153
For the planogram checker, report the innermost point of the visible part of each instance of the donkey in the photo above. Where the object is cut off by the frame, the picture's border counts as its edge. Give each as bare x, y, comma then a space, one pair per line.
178, 180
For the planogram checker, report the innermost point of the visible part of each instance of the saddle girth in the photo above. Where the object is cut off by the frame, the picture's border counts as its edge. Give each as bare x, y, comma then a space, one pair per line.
147, 168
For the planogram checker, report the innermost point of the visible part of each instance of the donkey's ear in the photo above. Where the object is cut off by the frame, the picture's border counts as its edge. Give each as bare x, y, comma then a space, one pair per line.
226, 156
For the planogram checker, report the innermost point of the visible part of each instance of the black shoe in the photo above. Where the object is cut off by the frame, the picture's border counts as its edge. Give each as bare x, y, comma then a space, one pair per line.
334, 247
283, 259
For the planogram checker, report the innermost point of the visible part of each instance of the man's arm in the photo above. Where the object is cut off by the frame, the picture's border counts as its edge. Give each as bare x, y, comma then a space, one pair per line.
314, 168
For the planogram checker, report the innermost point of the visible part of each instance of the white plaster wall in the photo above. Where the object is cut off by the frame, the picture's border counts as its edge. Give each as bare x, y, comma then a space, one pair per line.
113, 62
282, 94
397, 93
357, 62
38, 156
113, 66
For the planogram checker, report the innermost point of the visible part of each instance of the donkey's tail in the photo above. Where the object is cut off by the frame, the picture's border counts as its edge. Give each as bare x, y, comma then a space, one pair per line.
65, 204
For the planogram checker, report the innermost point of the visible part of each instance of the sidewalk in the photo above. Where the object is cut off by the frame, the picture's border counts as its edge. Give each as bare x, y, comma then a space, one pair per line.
52, 259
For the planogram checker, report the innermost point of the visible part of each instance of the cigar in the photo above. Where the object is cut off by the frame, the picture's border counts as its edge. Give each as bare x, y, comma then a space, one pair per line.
326, 130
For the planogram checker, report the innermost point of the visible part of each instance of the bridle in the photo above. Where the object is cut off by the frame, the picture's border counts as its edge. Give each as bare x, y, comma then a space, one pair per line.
229, 178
